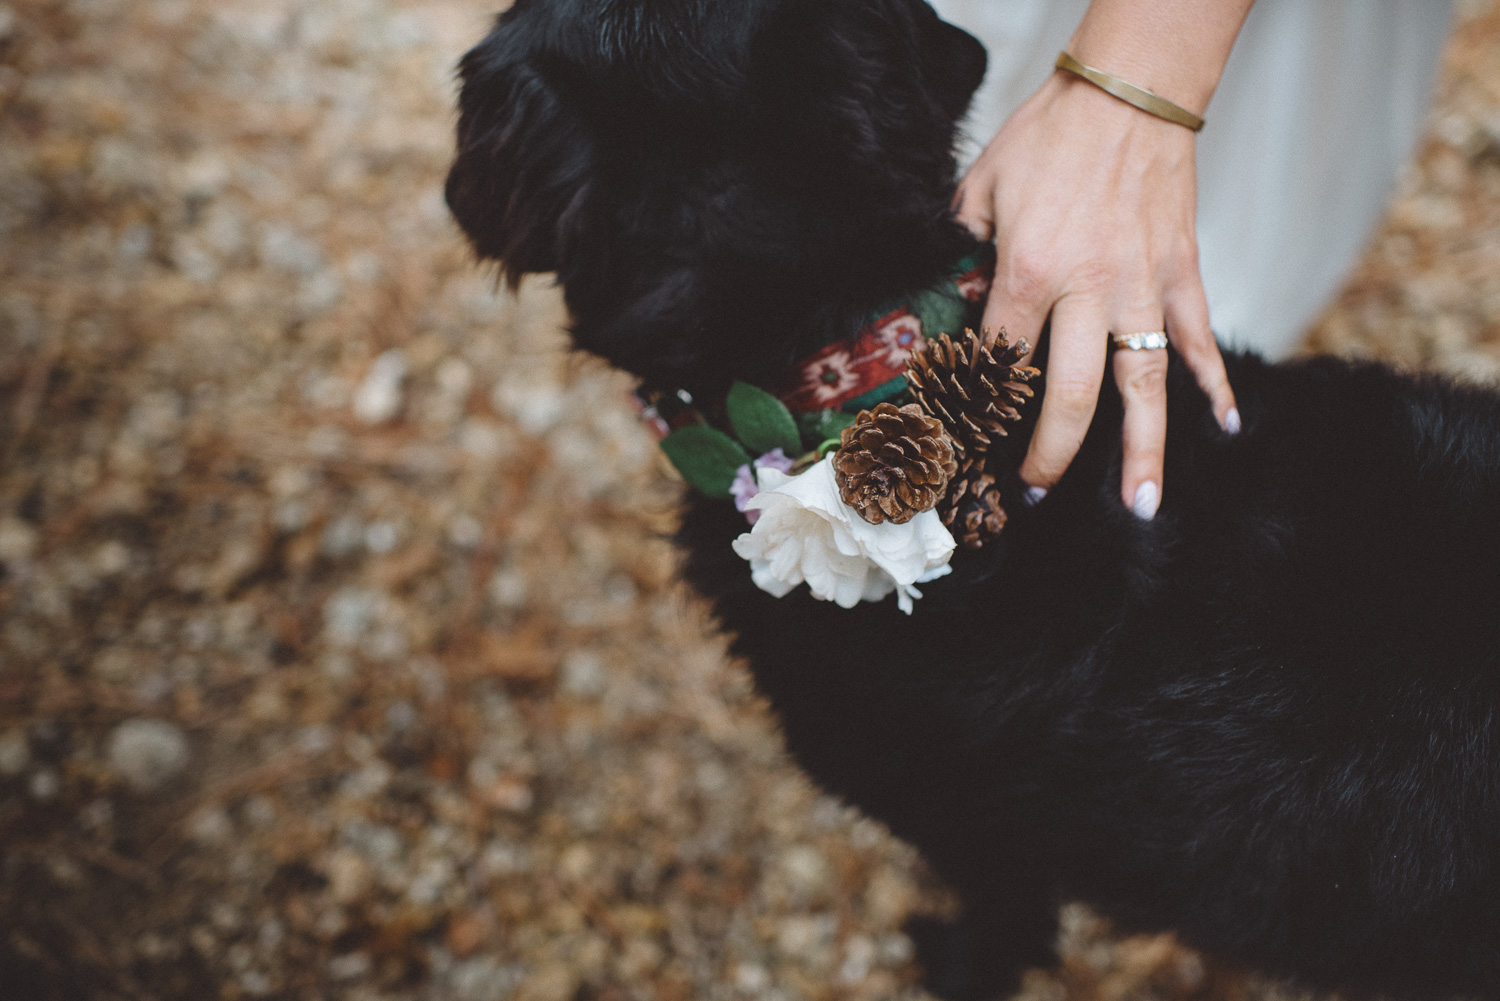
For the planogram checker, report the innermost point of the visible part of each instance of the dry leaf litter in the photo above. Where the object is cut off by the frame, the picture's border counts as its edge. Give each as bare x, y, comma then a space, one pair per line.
342, 651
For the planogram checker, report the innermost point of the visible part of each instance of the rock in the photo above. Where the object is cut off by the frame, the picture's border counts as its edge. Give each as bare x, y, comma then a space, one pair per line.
382, 537
15, 752
148, 753
431, 880
535, 406
465, 531
111, 558
509, 588
860, 954
349, 966
45, 784
806, 871
348, 876
467, 932
583, 674
17, 541
349, 613
510, 794
554, 981
284, 249
808, 938
378, 397
210, 826
481, 979
751, 978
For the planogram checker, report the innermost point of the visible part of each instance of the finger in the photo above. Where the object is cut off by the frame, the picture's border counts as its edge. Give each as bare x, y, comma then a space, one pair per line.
1021, 296
974, 207
1192, 337
1142, 378
1075, 371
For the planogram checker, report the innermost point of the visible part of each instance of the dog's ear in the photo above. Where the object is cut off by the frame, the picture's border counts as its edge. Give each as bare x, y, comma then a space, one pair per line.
555, 82
520, 181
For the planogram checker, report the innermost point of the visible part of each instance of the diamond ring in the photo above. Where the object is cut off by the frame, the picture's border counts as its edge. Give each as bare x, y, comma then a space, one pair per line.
1146, 340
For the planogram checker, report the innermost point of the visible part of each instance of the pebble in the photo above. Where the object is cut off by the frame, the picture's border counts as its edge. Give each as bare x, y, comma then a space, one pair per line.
349, 966
211, 826
465, 531
554, 981
15, 752
482, 978
582, 674
148, 753
45, 784
382, 537
348, 876
379, 396
349, 613
466, 932
805, 870
18, 541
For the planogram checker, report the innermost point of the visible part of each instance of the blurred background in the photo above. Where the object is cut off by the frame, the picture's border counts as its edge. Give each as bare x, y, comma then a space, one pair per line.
341, 653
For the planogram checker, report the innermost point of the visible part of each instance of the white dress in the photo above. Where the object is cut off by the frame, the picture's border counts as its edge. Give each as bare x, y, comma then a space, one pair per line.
1320, 105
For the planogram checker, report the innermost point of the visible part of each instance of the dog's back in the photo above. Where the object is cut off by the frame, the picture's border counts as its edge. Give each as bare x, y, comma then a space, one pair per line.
1264, 719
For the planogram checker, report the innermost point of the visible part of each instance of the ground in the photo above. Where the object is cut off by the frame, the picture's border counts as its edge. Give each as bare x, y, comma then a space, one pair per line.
341, 651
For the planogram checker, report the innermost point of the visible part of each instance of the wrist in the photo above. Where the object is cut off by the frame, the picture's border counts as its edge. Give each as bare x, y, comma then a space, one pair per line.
1067, 98
1184, 88
1174, 48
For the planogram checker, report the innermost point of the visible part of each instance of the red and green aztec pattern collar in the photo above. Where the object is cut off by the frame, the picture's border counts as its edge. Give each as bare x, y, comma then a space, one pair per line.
860, 371
866, 368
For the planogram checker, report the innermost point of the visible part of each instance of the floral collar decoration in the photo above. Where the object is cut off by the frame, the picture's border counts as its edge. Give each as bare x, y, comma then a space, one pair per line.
856, 472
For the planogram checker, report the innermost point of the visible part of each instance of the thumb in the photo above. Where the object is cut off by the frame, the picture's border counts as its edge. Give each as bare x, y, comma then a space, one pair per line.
974, 207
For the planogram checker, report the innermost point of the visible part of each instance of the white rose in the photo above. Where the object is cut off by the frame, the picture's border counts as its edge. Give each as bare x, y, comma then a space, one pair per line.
807, 533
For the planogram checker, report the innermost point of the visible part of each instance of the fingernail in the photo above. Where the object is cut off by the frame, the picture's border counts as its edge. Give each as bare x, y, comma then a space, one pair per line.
1146, 500
1034, 495
1232, 420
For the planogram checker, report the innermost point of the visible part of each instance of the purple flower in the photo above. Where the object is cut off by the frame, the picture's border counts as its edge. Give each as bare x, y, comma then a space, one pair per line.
745, 486
775, 459
742, 489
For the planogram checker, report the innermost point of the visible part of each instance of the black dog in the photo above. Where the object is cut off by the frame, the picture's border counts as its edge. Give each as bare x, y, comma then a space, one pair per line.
1266, 719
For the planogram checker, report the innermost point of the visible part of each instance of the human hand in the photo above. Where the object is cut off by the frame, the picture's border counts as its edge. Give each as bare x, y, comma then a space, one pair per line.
1092, 205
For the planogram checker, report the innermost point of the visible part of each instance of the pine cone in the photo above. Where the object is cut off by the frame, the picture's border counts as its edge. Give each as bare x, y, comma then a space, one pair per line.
893, 463
972, 510
972, 387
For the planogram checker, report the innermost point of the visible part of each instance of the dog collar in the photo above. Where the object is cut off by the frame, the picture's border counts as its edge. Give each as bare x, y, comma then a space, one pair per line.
857, 372
860, 371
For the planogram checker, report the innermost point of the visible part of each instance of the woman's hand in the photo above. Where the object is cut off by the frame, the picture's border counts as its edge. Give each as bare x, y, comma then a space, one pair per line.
1092, 205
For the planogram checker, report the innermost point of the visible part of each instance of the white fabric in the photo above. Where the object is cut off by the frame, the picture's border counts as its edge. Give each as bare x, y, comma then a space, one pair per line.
1320, 106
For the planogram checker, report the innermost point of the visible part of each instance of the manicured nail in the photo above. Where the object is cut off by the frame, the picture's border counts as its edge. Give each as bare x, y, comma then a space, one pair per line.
1146, 500
1232, 420
1034, 495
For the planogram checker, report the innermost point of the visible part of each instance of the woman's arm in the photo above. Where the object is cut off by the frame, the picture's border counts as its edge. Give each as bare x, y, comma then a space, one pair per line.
1092, 203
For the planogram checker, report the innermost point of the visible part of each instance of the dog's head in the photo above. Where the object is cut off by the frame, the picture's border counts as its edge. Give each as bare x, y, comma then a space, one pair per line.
712, 179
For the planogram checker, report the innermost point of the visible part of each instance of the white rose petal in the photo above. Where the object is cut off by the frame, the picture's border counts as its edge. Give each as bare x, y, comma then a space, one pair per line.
806, 533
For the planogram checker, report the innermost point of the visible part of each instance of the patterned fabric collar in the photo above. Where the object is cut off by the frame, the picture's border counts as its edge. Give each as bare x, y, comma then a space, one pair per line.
866, 368
856, 373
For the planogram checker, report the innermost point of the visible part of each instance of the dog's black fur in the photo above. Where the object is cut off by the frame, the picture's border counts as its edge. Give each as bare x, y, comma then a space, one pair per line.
1265, 719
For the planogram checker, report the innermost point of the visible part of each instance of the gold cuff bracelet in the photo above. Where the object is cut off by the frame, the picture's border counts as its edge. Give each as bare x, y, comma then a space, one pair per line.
1151, 104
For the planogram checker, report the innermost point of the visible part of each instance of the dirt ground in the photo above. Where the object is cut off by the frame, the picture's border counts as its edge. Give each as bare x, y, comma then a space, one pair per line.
341, 655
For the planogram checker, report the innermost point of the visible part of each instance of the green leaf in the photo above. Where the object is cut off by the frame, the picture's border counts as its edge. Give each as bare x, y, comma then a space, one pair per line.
941, 313
821, 425
761, 421
706, 457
